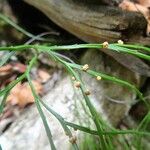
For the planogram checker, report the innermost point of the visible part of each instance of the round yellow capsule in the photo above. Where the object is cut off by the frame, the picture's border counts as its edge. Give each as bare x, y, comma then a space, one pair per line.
85, 67
77, 84
98, 78
73, 139
87, 92
105, 45
120, 42
73, 78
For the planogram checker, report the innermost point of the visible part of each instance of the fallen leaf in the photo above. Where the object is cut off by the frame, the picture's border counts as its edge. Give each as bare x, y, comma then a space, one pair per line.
5, 70
21, 94
145, 3
21, 68
9, 68
9, 72
43, 75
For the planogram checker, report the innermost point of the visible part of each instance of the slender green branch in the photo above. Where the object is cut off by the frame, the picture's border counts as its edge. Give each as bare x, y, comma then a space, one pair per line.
7, 89
3, 102
48, 132
134, 46
95, 116
113, 47
6, 57
94, 132
112, 79
6, 19
37, 102
129, 51
104, 131
17, 48
12, 84
49, 48
87, 130
62, 122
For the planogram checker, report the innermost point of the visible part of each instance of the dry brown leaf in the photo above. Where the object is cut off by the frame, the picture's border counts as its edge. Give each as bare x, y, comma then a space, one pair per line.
11, 68
145, 3
19, 67
43, 75
21, 94
9, 72
5, 70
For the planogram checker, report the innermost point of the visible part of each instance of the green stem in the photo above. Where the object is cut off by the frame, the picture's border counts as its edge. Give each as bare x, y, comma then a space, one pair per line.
12, 84
37, 102
112, 79
62, 122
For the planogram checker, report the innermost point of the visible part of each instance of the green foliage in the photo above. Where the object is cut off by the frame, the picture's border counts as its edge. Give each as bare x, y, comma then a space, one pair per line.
105, 134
